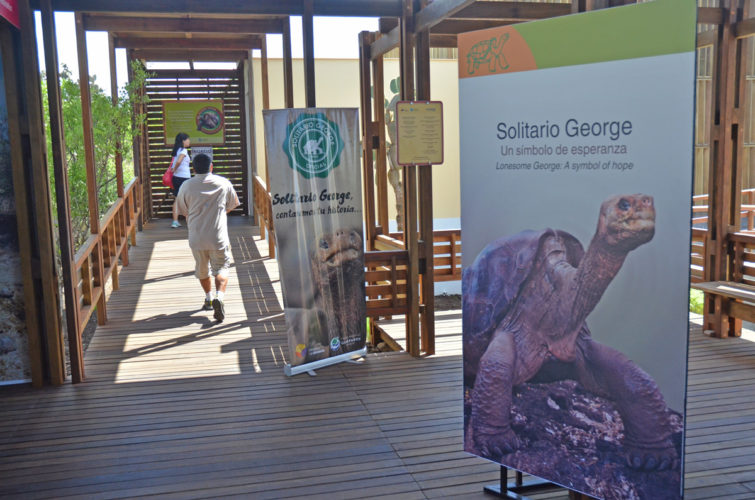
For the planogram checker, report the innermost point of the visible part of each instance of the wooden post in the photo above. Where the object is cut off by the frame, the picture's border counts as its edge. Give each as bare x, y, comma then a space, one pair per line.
32, 134
723, 201
265, 97
307, 21
114, 98
13, 97
288, 67
381, 172
94, 211
136, 147
251, 133
425, 200
246, 173
62, 191
365, 104
410, 184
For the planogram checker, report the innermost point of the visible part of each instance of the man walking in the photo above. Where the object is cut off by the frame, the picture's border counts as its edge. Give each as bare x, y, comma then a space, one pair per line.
204, 200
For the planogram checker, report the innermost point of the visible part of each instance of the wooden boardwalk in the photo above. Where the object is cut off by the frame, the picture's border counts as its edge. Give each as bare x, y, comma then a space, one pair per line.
177, 406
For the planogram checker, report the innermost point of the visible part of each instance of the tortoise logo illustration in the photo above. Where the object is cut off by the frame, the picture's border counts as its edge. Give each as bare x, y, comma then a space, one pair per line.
490, 52
313, 145
209, 120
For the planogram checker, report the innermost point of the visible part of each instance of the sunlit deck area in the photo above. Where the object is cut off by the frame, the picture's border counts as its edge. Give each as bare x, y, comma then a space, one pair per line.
178, 406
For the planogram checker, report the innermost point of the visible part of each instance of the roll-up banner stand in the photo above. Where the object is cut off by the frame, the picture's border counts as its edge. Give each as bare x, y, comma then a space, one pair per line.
315, 184
577, 161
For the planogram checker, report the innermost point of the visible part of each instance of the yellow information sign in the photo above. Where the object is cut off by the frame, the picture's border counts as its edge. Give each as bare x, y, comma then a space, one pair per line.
419, 132
204, 121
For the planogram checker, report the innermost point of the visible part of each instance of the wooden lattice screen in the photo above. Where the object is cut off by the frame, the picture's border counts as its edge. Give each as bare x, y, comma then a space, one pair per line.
229, 160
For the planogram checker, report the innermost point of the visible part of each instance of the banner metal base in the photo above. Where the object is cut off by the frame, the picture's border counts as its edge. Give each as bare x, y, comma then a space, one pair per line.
320, 363
513, 490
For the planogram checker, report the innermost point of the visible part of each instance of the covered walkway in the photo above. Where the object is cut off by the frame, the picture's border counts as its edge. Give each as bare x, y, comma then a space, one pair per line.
179, 406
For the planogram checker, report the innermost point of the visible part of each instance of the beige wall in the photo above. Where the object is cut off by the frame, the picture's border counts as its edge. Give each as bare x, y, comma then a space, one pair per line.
337, 85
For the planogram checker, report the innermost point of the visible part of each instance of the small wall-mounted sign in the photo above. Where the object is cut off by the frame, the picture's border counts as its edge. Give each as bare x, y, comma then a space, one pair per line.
419, 132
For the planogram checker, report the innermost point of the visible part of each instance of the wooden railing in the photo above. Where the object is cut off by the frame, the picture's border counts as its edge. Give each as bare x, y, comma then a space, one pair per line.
117, 226
263, 213
385, 282
744, 258
697, 255
747, 208
446, 252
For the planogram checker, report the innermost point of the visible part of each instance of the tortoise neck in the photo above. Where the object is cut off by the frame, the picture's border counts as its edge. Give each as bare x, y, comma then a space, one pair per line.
597, 269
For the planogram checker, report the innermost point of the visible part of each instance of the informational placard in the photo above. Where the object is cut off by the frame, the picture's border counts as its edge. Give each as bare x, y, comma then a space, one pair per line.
315, 183
9, 11
204, 121
15, 364
419, 132
201, 150
577, 154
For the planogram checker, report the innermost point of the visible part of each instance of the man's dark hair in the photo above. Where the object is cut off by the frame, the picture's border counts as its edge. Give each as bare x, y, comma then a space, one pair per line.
201, 163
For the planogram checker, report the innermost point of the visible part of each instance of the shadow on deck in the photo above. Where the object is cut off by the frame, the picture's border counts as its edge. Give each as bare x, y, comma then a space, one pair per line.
178, 405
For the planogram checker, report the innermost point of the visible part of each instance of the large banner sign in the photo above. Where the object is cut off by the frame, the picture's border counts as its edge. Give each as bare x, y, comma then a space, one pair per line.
204, 121
576, 146
315, 182
14, 342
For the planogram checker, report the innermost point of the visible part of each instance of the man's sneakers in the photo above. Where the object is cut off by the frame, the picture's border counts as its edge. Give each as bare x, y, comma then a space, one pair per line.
219, 309
175, 224
207, 305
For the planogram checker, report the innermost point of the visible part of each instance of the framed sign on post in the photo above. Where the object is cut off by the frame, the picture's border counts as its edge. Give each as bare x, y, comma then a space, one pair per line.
419, 132
577, 153
204, 121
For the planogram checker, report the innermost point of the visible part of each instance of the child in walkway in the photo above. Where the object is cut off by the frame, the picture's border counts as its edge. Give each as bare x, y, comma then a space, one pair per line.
181, 170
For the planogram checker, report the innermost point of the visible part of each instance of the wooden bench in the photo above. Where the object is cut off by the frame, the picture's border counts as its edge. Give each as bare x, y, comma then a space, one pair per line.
733, 299
741, 303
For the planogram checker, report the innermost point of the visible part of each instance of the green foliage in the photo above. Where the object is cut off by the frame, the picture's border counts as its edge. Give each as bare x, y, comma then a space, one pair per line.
696, 301
112, 132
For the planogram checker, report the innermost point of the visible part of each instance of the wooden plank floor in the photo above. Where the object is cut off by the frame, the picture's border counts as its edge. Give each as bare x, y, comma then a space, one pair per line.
177, 406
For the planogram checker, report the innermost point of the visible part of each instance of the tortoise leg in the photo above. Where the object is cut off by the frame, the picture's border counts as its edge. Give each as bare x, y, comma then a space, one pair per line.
490, 420
606, 371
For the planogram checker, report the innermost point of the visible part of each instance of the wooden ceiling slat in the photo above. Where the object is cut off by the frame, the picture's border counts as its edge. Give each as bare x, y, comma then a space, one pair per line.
184, 24
360, 8
437, 11
190, 55
512, 11
218, 43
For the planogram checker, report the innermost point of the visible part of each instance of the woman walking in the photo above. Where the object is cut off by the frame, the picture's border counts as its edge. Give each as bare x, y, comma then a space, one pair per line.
181, 170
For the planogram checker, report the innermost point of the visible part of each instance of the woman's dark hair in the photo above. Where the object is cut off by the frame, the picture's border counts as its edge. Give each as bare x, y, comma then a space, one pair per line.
180, 138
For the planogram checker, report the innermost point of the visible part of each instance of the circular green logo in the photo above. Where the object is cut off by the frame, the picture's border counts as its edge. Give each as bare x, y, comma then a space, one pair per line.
313, 145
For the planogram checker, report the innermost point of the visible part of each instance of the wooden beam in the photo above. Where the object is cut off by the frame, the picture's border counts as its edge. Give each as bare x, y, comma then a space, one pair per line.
710, 15
214, 43
447, 41
186, 24
456, 26
190, 55
308, 36
357, 8
62, 190
288, 67
437, 11
513, 11
88, 134
707, 38
385, 43
744, 28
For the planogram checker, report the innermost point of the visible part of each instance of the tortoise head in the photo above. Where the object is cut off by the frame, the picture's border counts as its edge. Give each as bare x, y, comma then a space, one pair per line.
333, 249
626, 221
